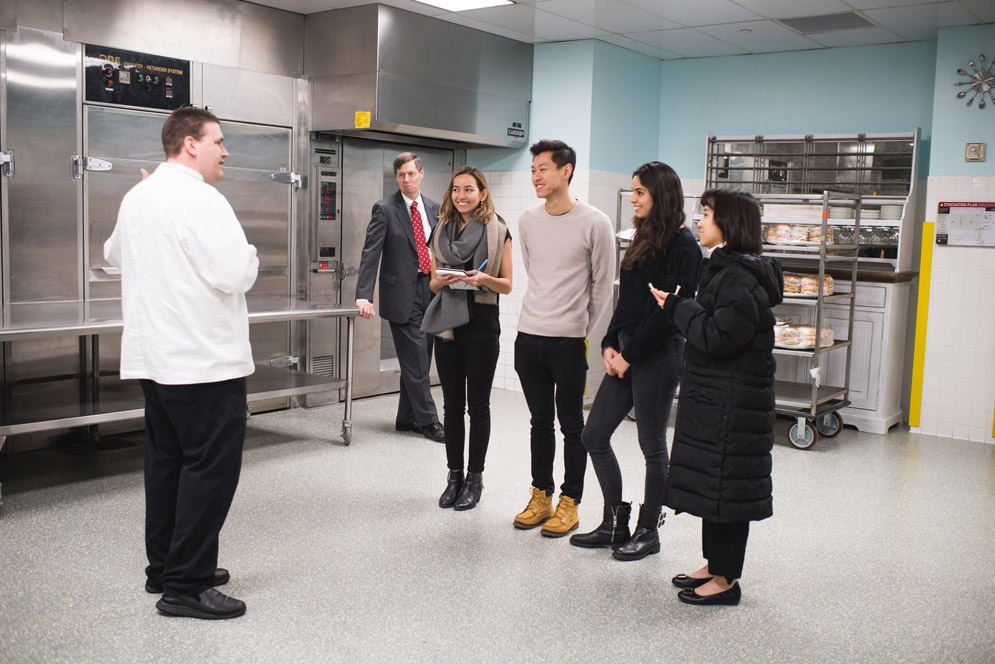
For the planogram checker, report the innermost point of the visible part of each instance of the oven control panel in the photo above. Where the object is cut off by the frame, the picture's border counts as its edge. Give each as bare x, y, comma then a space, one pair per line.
116, 76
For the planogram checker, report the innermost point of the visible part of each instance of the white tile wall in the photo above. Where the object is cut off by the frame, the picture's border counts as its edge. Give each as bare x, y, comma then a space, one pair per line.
958, 397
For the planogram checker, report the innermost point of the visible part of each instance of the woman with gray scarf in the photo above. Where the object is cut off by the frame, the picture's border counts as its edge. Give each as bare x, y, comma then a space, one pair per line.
471, 265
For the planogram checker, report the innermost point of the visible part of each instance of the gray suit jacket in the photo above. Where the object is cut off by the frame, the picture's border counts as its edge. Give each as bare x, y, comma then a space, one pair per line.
390, 242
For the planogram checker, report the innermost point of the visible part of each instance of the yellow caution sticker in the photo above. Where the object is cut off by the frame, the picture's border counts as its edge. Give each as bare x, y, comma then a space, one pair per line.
362, 119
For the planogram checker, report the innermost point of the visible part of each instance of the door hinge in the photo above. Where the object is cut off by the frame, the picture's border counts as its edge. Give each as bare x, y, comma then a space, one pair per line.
287, 177
285, 361
81, 163
7, 162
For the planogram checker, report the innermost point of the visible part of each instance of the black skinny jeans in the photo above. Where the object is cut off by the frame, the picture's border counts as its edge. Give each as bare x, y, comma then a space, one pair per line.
553, 373
650, 385
466, 371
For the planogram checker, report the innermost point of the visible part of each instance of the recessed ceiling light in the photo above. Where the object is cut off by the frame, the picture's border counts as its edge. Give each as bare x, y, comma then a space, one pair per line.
746, 30
465, 5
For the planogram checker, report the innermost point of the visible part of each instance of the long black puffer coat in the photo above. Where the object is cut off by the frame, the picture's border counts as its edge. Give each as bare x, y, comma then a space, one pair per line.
720, 463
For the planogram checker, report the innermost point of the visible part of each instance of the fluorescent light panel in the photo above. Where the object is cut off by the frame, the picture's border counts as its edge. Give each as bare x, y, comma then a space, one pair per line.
465, 5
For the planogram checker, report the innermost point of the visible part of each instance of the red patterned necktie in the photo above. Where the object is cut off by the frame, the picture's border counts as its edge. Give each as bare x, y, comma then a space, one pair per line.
424, 262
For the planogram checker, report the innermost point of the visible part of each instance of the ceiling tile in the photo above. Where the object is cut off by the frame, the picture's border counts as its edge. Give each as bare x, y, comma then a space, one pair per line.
877, 4
639, 47
520, 18
861, 37
763, 36
696, 12
466, 21
793, 8
609, 15
688, 42
983, 9
921, 22
558, 28
409, 5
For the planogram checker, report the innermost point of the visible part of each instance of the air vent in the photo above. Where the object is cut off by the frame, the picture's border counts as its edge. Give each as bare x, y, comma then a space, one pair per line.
810, 25
323, 365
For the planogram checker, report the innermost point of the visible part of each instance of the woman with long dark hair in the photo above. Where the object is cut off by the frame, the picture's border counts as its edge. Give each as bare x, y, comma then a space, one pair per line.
642, 354
472, 243
720, 470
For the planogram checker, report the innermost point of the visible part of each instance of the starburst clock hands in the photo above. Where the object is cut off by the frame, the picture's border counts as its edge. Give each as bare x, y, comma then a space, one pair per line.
981, 80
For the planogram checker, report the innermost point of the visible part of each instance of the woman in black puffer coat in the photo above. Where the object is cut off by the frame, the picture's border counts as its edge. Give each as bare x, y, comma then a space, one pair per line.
720, 461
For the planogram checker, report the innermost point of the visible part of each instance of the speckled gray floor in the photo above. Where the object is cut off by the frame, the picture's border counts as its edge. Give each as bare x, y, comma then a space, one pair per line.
881, 549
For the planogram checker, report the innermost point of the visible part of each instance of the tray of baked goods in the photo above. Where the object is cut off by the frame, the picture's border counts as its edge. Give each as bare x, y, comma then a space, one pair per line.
806, 285
797, 234
801, 337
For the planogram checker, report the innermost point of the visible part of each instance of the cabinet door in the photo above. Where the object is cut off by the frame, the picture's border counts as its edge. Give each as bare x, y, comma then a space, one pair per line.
866, 349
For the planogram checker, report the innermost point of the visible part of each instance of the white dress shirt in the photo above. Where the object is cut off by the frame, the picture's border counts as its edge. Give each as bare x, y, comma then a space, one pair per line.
185, 268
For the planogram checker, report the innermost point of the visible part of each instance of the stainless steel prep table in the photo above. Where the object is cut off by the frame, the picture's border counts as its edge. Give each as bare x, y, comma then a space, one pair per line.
100, 399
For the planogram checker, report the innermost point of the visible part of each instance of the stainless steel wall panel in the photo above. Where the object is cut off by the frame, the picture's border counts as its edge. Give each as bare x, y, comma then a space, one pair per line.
39, 14
343, 41
335, 100
221, 32
249, 96
41, 236
7, 16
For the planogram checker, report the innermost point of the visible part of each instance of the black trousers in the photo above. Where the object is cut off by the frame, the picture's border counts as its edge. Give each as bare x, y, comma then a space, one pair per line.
414, 354
194, 436
649, 385
466, 372
723, 545
553, 373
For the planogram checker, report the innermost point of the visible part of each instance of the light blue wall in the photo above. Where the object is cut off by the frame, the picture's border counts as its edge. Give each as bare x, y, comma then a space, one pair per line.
562, 76
885, 88
954, 123
625, 109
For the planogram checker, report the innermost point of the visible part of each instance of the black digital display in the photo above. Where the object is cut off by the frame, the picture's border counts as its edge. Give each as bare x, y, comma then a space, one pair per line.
326, 202
115, 76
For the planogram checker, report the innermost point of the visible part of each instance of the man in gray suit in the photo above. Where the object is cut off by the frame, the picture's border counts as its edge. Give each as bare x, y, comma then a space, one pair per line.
396, 240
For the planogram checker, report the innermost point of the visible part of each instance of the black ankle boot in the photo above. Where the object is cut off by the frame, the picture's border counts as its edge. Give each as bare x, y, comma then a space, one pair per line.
469, 496
454, 483
645, 540
614, 529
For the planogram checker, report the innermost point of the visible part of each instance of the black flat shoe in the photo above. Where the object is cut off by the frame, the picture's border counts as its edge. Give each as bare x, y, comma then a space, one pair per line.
685, 581
209, 605
730, 597
454, 484
221, 577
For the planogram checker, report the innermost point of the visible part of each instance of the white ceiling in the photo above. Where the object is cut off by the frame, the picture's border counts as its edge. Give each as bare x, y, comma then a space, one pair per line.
673, 29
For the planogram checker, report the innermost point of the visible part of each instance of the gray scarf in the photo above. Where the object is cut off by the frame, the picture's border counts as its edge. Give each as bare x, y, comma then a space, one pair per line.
453, 248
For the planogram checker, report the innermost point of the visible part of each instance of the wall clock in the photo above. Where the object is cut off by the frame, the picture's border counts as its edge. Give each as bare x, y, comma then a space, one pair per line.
981, 80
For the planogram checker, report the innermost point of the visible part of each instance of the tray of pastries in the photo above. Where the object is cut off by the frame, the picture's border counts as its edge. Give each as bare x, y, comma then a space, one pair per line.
801, 336
806, 234
806, 285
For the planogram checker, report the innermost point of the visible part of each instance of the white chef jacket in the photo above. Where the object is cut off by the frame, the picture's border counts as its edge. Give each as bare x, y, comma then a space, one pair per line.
185, 267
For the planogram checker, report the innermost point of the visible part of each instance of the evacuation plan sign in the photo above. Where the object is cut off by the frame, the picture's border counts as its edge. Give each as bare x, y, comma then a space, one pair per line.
966, 224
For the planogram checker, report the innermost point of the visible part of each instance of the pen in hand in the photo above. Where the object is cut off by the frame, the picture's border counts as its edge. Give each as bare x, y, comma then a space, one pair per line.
482, 266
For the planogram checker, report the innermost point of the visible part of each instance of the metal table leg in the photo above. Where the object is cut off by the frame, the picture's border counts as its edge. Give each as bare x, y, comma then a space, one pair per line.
347, 417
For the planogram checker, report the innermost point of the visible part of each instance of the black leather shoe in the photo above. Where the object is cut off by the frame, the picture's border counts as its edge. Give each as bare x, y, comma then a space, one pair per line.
614, 529
221, 577
470, 495
406, 426
685, 581
454, 484
646, 538
434, 432
209, 605
730, 597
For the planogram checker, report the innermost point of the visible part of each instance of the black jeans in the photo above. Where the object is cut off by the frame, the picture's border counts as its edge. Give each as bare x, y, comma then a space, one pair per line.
553, 373
194, 436
723, 545
649, 385
414, 354
466, 372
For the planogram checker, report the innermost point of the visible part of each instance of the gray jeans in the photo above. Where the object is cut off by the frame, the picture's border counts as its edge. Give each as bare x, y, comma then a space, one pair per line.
649, 385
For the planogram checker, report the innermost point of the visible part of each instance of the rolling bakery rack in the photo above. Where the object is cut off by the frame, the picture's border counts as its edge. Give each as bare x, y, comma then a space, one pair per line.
815, 405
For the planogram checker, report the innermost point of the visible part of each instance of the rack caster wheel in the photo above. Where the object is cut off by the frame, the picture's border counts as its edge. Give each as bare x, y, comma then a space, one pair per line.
802, 438
830, 425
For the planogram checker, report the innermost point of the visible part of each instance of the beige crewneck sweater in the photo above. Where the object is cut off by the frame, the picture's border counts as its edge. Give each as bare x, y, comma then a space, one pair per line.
570, 264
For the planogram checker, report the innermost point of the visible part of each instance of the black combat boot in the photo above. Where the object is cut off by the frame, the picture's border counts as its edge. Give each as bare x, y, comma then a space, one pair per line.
614, 529
646, 539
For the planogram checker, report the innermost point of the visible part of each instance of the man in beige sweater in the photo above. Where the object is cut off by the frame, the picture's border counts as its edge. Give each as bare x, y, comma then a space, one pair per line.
569, 253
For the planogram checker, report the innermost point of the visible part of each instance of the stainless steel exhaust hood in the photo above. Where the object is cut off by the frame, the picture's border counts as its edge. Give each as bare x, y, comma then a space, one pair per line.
378, 68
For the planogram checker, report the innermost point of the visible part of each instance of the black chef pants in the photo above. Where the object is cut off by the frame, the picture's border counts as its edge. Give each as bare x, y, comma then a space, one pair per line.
723, 545
193, 456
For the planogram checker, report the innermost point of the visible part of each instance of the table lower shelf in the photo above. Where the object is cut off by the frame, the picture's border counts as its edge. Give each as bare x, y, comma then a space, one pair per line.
798, 396
58, 404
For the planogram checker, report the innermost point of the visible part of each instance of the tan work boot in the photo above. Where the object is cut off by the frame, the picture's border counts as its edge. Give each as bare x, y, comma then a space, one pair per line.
539, 509
564, 519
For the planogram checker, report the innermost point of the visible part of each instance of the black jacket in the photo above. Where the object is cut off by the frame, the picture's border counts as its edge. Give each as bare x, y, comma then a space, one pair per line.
637, 313
720, 463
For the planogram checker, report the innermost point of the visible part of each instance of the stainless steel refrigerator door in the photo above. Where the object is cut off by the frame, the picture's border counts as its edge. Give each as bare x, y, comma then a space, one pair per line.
367, 177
